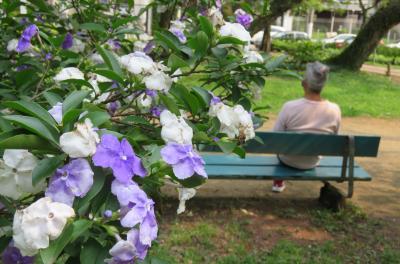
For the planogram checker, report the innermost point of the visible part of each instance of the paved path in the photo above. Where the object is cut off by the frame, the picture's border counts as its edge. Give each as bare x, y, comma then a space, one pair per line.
395, 73
381, 197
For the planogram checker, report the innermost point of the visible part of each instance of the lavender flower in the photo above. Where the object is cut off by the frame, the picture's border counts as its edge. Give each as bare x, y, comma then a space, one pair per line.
24, 42
120, 157
243, 18
113, 107
124, 252
156, 110
149, 47
74, 179
68, 41
179, 34
12, 255
151, 93
184, 160
48, 56
114, 44
24, 21
218, 3
22, 67
136, 208
107, 213
203, 11
56, 112
215, 99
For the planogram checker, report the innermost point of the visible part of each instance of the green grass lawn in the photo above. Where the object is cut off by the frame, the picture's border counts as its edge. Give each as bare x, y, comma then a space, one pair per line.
258, 232
357, 94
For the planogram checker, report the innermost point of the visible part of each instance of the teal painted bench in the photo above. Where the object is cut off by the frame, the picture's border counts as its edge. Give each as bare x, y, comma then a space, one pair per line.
336, 165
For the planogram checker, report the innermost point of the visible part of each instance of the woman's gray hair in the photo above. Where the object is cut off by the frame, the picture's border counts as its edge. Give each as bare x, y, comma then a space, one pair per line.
316, 76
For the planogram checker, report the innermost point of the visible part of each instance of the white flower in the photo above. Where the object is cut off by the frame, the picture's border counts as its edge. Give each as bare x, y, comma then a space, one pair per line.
12, 45
178, 25
234, 121
139, 45
175, 129
77, 46
158, 81
144, 101
216, 16
138, 62
96, 58
253, 57
36, 225
56, 112
16, 173
184, 195
235, 30
245, 122
69, 73
81, 142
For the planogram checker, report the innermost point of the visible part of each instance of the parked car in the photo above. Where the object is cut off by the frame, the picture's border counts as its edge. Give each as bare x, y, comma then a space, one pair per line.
340, 39
258, 37
292, 35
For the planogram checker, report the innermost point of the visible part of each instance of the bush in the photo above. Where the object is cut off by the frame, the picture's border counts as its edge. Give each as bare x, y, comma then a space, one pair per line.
302, 52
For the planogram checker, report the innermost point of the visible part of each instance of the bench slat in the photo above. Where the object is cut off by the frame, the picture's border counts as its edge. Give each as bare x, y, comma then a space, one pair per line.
309, 144
280, 172
261, 160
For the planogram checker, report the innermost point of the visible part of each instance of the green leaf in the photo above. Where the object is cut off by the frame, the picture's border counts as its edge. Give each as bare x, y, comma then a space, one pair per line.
201, 44
206, 26
34, 125
175, 62
70, 233
52, 98
190, 100
93, 27
98, 117
30, 142
74, 99
33, 109
46, 168
273, 64
170, 104
110, 60
137, 120
226, 146
93, 253
203, 94
194, 181
230, 40
240, 152
110, 75
79, 83
219, 52
168, 39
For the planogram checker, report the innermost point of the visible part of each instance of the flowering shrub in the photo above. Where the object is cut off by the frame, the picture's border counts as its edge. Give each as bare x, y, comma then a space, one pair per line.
96, 115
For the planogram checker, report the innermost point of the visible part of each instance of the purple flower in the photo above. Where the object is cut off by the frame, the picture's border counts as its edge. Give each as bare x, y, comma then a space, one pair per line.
149, 47
136, 208
156, 110
74, 179
184, 160
151, 93
113, 107
125, 252
179, 34
68, 41
120, 157
56, 112
215, 100
24, 42
48, 56
107, 213
12, 255
243, 18
39, 18
216, 139
22, 67
24, 21
218, 4
114, 44
203, 11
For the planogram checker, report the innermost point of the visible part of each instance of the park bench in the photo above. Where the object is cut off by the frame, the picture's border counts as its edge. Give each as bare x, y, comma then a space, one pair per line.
337, 164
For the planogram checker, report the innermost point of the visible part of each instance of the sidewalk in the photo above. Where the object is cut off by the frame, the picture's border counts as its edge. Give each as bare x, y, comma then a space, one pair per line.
395, 73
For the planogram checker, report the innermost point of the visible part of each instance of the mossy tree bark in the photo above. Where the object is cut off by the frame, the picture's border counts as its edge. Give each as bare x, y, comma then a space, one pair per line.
368, 38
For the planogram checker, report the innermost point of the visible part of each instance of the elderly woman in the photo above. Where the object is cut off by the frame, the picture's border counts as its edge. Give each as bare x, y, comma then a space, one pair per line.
310, 114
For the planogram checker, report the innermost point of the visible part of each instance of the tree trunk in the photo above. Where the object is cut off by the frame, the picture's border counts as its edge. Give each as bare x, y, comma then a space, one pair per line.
369, 37
266, 41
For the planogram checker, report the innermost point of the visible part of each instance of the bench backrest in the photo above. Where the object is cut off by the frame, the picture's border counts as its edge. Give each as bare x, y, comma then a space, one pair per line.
312, 144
